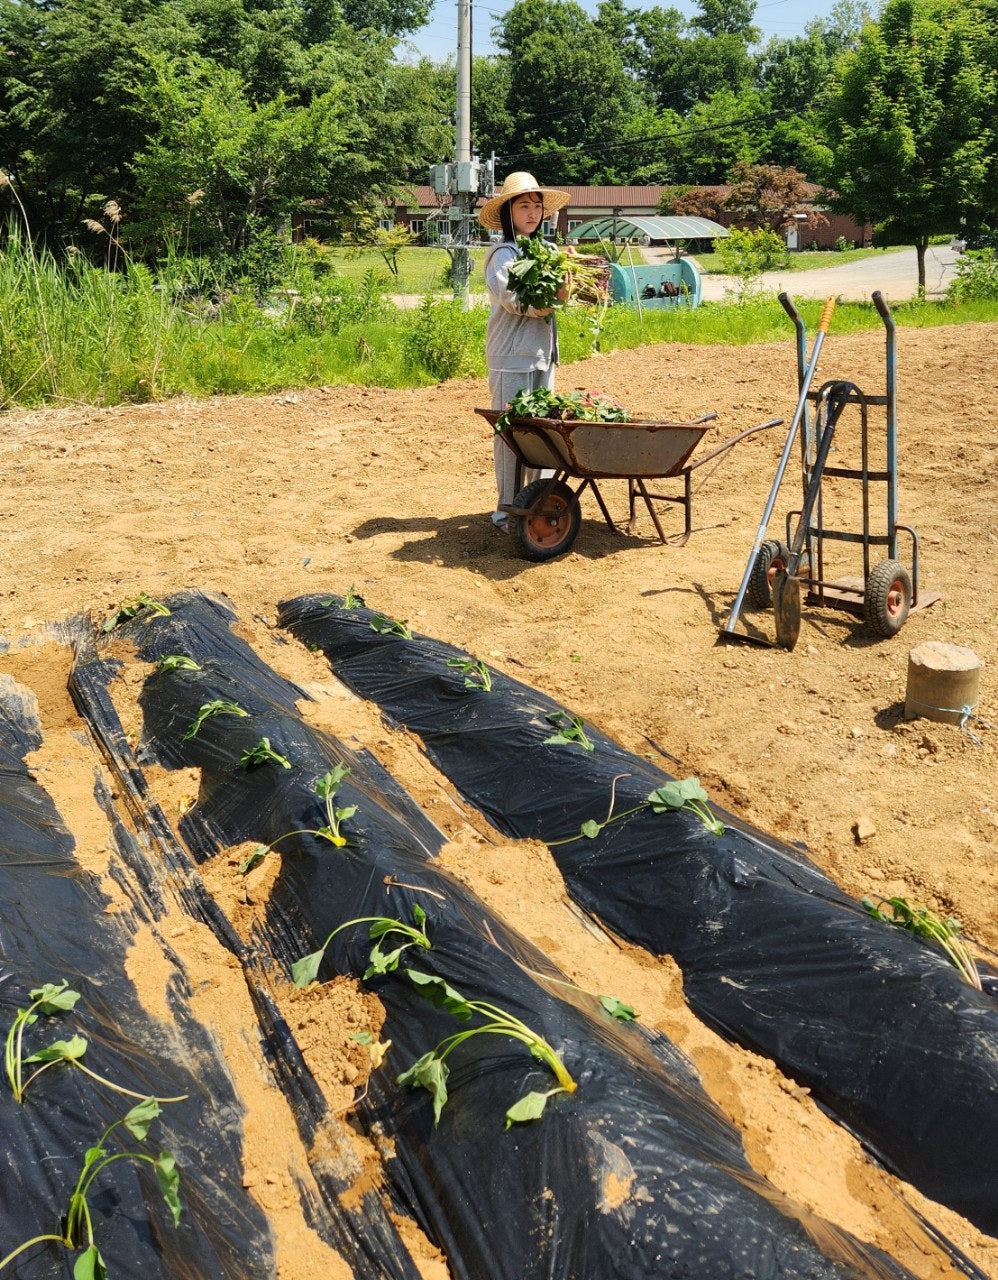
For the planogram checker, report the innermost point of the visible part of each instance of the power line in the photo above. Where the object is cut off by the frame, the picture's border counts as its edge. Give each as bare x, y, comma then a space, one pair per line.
600, 148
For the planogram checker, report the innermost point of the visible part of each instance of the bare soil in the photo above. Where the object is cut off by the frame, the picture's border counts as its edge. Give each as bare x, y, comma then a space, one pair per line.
262, 499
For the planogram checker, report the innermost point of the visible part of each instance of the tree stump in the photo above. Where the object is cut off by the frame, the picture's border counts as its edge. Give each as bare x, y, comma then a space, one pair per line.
943, 682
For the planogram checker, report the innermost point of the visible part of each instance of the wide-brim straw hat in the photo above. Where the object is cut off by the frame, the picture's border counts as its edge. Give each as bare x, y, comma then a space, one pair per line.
520, 184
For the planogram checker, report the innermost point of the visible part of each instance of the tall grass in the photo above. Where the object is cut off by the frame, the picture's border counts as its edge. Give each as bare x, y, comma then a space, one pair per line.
104, 334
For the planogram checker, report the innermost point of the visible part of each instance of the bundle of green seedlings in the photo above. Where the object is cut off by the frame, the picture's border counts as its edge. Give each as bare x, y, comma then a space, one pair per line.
928, 924
77, 1227
542, 271
569, 406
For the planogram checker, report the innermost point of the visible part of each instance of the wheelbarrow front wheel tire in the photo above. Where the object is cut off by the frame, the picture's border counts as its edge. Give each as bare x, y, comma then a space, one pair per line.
551, 519
887, 598
772, 558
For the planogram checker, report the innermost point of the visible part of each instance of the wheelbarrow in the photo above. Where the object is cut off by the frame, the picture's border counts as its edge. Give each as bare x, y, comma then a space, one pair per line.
545, 514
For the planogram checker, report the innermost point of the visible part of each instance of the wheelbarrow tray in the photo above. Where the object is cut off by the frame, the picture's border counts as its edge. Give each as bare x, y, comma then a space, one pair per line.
642, 449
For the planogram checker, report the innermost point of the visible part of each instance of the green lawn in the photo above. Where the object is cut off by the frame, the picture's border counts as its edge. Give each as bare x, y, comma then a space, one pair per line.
422, 270
806, 260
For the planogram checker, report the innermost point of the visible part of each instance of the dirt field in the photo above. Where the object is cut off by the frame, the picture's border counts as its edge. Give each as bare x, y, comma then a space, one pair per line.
263, 499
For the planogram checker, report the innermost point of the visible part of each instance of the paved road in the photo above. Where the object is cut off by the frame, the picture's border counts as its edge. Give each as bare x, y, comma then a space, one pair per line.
894, 273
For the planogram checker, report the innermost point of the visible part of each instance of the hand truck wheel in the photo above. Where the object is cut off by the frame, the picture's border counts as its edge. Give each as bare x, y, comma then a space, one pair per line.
887, 598
552, 521
771, 558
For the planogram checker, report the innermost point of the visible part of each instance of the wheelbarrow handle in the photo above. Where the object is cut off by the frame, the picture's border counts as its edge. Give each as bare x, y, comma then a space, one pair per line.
725, 445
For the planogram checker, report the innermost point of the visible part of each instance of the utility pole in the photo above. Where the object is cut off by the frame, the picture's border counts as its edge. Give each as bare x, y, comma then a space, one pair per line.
466, 181
466, 178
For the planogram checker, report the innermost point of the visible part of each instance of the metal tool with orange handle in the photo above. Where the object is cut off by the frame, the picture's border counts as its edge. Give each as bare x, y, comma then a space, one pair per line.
728, 631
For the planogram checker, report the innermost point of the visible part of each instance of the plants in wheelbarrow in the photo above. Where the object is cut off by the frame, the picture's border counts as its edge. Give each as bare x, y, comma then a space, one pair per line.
571, 406
431, 1070
77, 1223
928, 924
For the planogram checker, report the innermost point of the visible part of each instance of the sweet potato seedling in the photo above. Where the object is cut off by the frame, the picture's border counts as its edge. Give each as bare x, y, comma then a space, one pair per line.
306, 969
687, 794
209, 709
389, 627
431, 1070
47, 1001
131, 607
568, 729
77, 1223
261, 754
325, 789
352, 600
476, 673
176, 662
933, 927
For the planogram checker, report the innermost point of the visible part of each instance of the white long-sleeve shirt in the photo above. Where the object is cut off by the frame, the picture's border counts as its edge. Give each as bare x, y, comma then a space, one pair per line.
516, 340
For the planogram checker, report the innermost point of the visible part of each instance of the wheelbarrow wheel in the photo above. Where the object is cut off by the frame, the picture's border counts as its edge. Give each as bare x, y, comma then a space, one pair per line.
772, 558
887, 598
552, 519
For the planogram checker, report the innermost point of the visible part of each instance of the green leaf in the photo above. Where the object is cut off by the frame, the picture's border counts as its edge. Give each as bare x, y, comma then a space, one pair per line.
306, 969
169, 1183
441, 995
616, 1008
140, 1117
326, 785
429, 1073
530, 1107
419, 915
54, 998
383, 961
61, 1051
176, 662
90, 1265
591, 829
363, 1037
690, 789
662, 799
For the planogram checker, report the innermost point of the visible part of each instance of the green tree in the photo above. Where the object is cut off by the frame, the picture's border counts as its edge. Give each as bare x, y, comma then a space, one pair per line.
910, 124
716, 134
569, 95
92, 101
727, 17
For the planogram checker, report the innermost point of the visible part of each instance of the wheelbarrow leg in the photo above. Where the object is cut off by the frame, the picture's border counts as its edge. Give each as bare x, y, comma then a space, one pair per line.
636, 486
590, 483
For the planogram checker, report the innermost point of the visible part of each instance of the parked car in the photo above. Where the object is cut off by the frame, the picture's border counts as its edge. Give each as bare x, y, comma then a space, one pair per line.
983, 239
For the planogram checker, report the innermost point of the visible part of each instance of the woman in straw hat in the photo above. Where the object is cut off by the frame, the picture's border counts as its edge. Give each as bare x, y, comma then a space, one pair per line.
521, 344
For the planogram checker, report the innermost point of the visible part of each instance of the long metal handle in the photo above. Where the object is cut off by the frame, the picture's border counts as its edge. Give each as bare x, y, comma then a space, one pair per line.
823, 323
